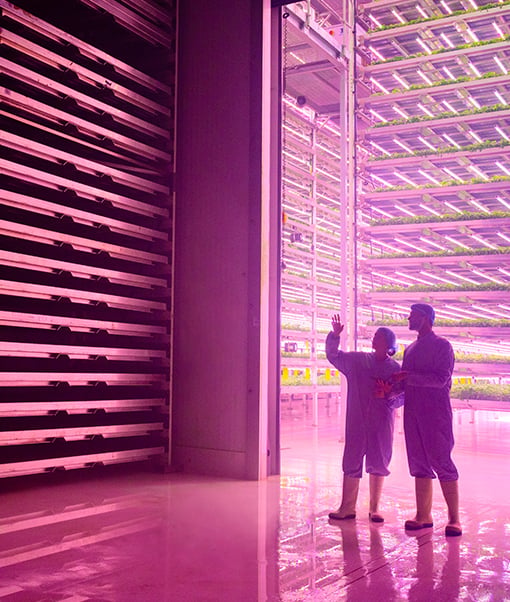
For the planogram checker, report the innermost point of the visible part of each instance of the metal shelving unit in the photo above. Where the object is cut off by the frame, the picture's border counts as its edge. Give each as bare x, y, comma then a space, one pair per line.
431, 187
434, 94
85, 233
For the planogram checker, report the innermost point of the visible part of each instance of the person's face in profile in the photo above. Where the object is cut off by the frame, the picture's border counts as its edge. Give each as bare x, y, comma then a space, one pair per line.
379, 342
416, 319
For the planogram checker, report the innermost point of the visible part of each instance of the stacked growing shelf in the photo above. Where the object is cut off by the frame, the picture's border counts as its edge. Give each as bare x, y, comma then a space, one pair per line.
312, 231
311, 284
434, 122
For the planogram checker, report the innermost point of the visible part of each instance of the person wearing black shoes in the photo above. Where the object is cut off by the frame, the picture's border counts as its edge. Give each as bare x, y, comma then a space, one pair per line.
427, 373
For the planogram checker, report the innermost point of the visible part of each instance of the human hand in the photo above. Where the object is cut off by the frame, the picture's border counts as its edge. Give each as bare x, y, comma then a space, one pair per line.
382, 388
336, 325
399, 377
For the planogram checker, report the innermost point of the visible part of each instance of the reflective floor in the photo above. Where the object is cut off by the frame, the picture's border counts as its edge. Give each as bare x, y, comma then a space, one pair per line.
131, 534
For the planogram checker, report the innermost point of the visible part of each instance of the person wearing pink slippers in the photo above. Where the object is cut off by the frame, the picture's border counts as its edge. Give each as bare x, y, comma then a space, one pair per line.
370, 409
427, 373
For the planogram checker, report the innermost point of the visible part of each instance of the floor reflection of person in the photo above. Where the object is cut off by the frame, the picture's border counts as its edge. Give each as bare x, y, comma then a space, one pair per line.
370, 414
365, 581
427, 372
427, 585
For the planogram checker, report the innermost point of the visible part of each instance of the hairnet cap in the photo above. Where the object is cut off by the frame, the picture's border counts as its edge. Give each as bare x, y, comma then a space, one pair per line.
425, 309
391, 339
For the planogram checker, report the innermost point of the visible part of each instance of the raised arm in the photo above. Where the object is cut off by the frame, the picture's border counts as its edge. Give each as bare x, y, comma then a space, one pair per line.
335, 356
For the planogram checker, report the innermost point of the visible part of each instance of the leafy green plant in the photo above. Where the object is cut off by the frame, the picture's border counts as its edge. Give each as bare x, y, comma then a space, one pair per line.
443, 115
470, 358
447, 253
481, 391
447, 217
489, 286
443, 184
454, 13
443, 50
478, 146
476, 322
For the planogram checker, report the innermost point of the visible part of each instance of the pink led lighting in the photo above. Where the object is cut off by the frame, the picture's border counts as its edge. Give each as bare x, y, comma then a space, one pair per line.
402, 145
295, 157
474, 102
413, 246
405, 179
328, 151
439, 278
383, 244
479, 206
500, 98
426, 143
377, 53
502, 133
490, 311
450, 108
379, 85
404, 210
379, 179
411, 277
472, 35
475, 136
451, 141
376, 114
446, 7
424, 46
429, 209
449, 43
296, 133
431, 242
504, 169
456, 242
504, 236
382, 212
374, 20
453, 208
292, 183
329, 175
452, 174
478, 273
483, 241
498, 30
428, 177
500, 65
421, 11
380, 148
478, 172
401, 81
424, 77
449, 74
398, 16
457, 275
400, 112
503, 202
425, 110
392, 278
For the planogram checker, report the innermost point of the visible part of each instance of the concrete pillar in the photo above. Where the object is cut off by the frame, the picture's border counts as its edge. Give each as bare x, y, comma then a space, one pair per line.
226, 273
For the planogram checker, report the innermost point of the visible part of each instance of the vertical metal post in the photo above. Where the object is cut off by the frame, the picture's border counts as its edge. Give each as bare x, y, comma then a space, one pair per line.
313, 350
348, 186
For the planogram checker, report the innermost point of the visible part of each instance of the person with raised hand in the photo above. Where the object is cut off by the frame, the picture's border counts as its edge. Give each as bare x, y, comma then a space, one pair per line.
371, 401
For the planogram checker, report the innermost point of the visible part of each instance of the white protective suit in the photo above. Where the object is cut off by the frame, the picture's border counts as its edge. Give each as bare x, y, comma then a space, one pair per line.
428, 428
369, 419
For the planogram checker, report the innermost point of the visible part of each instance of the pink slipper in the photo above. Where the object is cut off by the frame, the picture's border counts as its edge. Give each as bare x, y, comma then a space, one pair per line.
414, 525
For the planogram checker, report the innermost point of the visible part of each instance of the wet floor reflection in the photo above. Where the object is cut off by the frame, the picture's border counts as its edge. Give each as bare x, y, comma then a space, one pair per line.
129, 535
